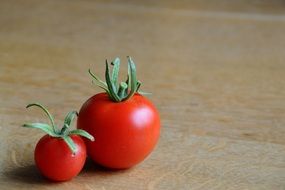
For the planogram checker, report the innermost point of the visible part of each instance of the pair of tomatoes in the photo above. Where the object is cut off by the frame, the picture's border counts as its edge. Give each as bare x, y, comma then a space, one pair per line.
125, 124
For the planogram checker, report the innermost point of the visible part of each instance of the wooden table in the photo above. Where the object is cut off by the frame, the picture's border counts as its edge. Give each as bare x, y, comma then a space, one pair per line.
216, 71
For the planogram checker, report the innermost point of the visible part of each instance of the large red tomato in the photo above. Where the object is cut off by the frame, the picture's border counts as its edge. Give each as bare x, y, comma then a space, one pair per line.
126, 132
125, 123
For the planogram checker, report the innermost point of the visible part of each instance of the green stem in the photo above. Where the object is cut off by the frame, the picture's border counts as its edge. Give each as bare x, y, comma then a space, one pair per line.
111, 86
42, 126
70, 144
82, 133
46, 111
115, 72
64, 133
125, 90
132, 78
64, 129
97, 79
70, 117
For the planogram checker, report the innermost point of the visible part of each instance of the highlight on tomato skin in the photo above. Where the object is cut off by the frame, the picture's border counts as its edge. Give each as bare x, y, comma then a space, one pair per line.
60, 154
126, 124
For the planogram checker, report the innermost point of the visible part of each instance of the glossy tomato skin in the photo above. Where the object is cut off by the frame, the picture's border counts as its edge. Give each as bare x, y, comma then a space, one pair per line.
55, 160
126, 132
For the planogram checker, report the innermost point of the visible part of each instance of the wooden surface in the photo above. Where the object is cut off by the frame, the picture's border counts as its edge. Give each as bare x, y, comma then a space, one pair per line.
216, 70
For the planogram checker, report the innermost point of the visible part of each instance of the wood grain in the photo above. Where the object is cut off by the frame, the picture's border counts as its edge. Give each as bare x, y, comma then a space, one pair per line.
216, 71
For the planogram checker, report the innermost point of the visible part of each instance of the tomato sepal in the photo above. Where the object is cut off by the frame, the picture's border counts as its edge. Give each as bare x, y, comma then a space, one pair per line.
64, 133
119, 92
82, 133
43, 126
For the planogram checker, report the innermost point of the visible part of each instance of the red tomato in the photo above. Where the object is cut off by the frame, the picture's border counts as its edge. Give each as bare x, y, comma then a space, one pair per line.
61, 154
56, 161
126, 132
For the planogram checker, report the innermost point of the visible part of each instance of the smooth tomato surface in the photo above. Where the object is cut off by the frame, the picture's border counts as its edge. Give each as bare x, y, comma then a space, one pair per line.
126, 132
56, 161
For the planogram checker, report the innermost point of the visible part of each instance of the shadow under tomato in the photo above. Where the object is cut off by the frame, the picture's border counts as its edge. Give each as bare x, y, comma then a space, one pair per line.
26, 174
90, 167
30, 174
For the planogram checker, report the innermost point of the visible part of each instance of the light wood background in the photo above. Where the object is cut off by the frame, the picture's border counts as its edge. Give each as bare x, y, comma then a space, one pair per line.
216, 70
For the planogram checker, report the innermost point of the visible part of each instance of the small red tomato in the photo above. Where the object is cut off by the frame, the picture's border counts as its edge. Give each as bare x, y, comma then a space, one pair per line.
59, 155
125, 123
56, 161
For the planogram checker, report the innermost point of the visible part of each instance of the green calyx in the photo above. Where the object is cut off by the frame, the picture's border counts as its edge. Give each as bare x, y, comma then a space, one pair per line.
123, 91
63, 133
